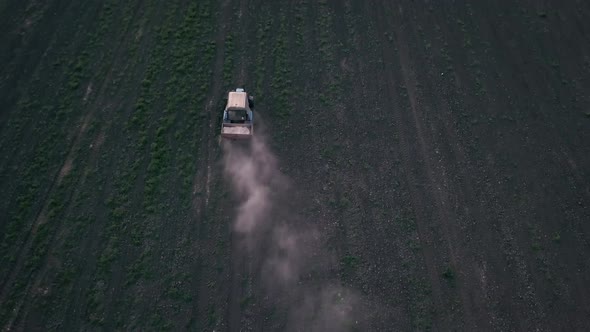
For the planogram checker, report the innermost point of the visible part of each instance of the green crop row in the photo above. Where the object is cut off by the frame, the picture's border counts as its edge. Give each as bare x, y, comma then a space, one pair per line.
228, 60
120, 203
280, 82
166, 120
263, 27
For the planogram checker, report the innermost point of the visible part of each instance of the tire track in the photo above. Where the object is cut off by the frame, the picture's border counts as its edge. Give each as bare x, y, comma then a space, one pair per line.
440, 186
63, 171
240, 262
482, 229
203, 178
460, 170
35, 212
73, 312
41, 216
426, 236
395, 296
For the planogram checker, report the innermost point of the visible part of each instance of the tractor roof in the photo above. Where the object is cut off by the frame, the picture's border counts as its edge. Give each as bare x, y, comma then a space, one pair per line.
237, 100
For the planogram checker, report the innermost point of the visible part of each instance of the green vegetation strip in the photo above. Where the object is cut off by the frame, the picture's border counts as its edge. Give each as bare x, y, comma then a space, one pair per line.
166, 126
120, 203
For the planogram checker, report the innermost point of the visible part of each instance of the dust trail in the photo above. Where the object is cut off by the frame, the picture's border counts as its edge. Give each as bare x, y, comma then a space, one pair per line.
293, 261
255, 178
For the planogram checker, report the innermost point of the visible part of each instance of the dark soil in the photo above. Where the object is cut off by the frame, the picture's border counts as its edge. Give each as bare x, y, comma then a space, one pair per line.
441, 152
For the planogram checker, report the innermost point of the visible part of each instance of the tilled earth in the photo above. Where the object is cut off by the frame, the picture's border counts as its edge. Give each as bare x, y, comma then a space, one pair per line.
435, 157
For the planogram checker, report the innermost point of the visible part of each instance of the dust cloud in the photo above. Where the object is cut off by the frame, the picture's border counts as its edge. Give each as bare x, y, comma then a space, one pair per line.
292, 261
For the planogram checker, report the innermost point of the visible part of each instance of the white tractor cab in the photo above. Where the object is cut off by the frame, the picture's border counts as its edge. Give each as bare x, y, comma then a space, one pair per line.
237, 116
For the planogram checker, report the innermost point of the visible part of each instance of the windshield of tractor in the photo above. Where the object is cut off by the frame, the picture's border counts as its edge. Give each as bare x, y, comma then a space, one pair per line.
237, 115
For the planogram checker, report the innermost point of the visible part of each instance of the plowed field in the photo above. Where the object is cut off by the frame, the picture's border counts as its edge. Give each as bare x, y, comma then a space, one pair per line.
428, 165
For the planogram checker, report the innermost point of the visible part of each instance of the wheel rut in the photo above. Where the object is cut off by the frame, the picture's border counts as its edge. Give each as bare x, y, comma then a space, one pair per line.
204, 244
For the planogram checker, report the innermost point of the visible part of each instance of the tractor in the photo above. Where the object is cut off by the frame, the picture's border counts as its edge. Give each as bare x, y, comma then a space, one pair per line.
238, 121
